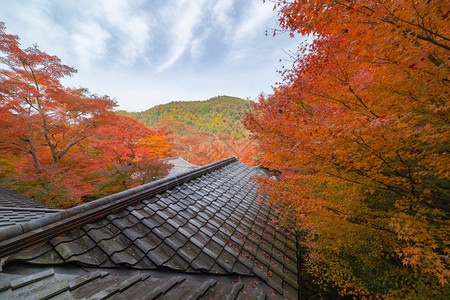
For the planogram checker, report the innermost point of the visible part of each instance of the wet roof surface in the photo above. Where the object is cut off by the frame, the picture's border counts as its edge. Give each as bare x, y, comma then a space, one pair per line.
9, 198
28, 282
9, 217
213, 224
16, 208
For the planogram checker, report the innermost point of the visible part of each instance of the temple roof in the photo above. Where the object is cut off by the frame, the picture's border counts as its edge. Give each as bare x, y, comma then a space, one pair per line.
205, 228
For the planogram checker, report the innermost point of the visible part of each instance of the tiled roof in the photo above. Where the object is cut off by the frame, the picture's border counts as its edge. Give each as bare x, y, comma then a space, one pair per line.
210, 222
16, 208
82, 283
9, 198
12, 216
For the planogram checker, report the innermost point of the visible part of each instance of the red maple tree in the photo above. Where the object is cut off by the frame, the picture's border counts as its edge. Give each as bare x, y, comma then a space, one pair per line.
359, 134
48, 131
130, 152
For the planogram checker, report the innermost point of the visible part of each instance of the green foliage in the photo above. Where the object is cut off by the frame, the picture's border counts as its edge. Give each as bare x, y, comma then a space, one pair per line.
221, 114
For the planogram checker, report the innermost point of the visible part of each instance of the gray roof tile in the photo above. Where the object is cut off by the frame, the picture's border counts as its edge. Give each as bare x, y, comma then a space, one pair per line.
213, 224
16, 208
9, 198
75, 283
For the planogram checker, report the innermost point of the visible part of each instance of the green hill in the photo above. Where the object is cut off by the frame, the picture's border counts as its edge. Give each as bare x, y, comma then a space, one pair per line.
222, 114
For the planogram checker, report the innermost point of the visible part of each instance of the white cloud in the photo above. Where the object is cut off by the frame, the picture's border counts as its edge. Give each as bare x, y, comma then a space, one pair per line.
185, 16
90, 43
39, 26
256, 18
108, 39
197, 48
129, 22
139, 39
221, 13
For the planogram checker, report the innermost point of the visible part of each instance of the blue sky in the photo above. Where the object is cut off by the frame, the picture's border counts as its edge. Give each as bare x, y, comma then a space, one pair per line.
144, 53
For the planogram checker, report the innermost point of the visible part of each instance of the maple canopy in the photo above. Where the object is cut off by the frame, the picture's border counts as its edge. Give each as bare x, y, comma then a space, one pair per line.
48, 132
201, 148
359, 134
131, 151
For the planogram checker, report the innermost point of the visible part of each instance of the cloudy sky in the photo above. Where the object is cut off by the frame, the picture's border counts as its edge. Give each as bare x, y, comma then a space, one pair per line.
148, 52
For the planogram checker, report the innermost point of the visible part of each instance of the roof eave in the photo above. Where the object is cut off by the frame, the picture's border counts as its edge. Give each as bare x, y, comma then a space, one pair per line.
20, 236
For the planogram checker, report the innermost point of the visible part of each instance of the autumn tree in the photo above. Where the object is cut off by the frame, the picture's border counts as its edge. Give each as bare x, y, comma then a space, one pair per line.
359, 134
131, 152
43, 121
201, 148
205, 149
47, 131
36, 106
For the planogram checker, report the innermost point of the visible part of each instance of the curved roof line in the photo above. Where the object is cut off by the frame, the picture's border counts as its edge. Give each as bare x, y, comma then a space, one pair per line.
20, 236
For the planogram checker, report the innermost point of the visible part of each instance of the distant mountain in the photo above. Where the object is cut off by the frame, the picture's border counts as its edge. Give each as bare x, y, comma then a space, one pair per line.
222, 114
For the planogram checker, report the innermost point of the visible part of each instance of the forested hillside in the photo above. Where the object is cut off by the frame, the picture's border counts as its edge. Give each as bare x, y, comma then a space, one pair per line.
221, 114
200, 147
